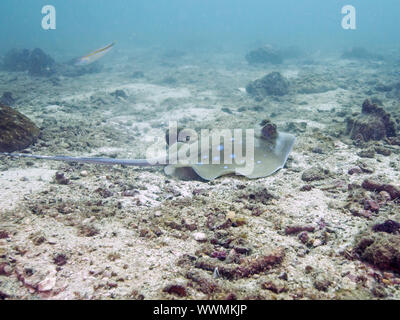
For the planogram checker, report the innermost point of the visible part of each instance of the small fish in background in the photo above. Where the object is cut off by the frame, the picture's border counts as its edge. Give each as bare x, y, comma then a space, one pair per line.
94, 56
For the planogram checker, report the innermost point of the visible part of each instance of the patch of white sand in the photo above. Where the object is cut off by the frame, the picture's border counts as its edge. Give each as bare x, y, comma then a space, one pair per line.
15, 184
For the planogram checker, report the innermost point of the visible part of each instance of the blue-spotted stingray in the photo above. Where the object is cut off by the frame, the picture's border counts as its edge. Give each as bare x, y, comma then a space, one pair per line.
269, 153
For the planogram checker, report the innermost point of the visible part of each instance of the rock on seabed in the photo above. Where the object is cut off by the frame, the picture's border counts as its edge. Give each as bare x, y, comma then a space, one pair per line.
16, 130
273, 84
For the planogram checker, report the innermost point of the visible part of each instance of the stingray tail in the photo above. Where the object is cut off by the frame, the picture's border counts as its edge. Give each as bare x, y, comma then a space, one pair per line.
104, 161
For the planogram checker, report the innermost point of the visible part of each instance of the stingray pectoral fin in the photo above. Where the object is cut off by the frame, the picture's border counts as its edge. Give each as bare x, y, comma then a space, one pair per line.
269, 160
213, 171
183, 173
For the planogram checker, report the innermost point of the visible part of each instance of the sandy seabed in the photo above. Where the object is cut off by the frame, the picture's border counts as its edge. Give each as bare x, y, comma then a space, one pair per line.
135, 233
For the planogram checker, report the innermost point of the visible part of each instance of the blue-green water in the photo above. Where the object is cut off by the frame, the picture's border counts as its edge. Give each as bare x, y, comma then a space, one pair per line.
317, 218
206, 24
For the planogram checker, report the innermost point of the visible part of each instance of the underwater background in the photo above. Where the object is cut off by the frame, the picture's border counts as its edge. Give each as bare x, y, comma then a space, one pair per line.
201, 25
318, 217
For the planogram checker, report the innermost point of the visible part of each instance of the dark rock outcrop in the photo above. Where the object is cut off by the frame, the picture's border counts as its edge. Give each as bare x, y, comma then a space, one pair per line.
264, 55
374, 123
16, 130
39, 64
273, 84
380, 249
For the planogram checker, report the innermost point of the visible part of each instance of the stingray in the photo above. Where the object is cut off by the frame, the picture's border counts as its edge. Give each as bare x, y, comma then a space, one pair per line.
251, 153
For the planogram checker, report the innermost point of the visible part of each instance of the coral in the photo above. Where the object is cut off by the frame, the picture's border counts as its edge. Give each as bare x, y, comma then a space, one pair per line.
358, 53
374, 123
273, 84
381, 249
16, 131
389, 226
376, 186
264, 55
